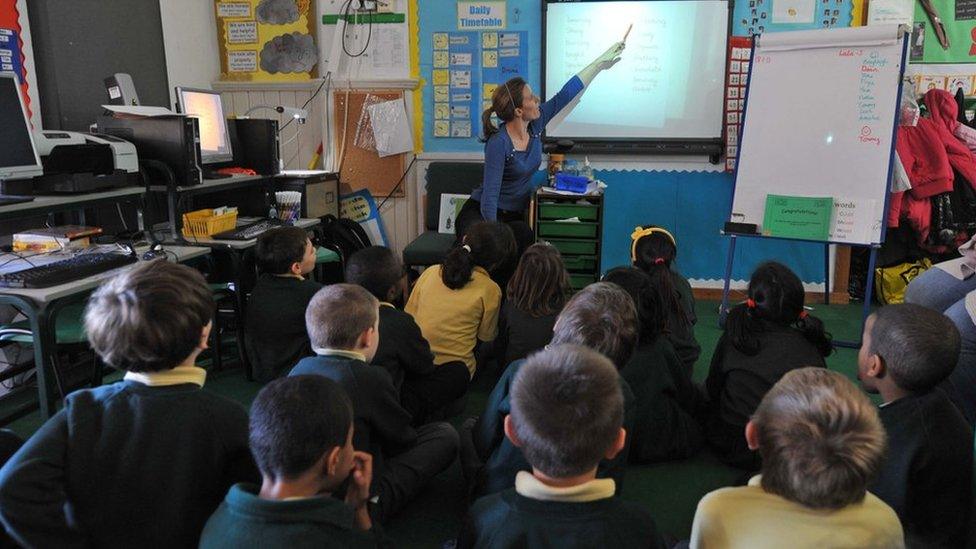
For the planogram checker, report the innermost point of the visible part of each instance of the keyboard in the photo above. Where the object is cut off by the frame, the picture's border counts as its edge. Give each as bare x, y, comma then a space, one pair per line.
67, 270
251, 231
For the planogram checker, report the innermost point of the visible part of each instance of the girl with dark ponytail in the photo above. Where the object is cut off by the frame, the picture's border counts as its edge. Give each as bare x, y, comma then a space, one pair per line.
665, 427
456, 303
653, 250
765, 337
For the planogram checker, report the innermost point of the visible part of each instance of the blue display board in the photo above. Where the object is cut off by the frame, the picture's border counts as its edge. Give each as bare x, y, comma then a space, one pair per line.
691, 206
524, 18
758, 16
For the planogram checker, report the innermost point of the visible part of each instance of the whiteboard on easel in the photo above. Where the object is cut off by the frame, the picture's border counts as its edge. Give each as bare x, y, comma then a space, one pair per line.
360, 46
820, 121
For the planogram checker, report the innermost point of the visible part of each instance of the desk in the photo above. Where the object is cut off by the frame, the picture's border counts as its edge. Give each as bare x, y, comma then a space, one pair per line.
43, 205
41, 305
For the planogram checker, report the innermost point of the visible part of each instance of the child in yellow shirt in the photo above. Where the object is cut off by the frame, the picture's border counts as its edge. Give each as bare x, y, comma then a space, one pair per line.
456, 303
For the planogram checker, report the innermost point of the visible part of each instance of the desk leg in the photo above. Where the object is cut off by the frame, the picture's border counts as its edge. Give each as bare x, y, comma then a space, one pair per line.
42, 326
826, 274
171, 206
724, 311
237, 263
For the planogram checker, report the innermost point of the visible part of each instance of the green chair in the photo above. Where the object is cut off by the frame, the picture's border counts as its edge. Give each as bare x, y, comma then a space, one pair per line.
442, 178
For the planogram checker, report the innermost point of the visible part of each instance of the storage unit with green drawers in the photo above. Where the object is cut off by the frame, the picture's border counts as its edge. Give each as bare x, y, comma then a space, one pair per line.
574, 225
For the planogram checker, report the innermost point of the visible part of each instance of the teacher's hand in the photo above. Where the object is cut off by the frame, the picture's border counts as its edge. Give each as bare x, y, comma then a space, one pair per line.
610, 57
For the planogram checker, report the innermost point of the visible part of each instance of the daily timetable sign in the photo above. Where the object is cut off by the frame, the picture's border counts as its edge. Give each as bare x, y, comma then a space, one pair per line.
480, 15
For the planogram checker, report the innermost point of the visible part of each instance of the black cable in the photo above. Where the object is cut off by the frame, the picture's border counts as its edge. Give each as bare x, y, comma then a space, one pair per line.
328, 78
397, 186
369, 36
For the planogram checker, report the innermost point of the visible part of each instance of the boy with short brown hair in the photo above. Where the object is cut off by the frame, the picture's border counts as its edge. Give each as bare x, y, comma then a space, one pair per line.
564, 433
821, 443
343, 325
602, 317
275, 336
907, 351
143, 462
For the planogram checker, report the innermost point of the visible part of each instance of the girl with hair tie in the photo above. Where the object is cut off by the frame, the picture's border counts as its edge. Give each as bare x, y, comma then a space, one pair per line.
513, 150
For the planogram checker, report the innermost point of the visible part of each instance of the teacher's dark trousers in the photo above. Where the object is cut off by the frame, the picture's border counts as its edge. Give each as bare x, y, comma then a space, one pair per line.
524, 237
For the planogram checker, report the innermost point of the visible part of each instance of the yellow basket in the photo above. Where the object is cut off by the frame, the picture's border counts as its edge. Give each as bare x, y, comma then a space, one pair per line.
204, 223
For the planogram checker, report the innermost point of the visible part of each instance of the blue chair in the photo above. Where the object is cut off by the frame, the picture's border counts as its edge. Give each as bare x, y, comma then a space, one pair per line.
442, 178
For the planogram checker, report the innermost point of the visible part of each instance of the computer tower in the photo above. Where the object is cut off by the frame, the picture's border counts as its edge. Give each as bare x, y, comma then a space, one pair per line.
172, 140
255, 144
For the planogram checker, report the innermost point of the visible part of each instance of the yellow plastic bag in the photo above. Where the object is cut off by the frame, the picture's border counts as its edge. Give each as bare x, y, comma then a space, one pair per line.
890, 282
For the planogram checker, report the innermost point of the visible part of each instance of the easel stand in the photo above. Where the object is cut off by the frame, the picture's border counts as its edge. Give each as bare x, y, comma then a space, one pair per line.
868, 293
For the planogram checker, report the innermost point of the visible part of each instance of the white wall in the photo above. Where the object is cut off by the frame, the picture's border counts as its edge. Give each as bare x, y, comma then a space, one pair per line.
190, 42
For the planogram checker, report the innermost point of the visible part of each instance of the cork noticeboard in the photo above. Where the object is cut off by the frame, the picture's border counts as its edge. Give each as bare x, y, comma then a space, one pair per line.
363, 169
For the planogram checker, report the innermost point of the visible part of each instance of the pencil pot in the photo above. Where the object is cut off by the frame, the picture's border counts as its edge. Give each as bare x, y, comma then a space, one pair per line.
289, 206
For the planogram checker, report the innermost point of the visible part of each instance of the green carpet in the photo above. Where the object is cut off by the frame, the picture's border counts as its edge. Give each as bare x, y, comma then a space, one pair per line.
670, 491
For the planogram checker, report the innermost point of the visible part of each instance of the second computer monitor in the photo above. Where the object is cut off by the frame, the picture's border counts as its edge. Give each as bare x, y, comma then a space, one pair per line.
214, 138
18, 156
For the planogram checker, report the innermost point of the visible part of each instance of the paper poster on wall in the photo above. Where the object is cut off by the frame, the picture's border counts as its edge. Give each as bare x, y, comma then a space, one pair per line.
266, 40
751, 17
10, 52
959, 19
455, 101
361, 208
736, 79
505, 55
360, 45
451, 205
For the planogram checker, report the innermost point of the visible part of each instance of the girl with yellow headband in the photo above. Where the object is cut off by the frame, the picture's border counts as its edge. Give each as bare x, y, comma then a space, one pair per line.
653, 250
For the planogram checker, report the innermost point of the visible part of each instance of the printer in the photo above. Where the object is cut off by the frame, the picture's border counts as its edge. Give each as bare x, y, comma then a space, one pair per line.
77, 162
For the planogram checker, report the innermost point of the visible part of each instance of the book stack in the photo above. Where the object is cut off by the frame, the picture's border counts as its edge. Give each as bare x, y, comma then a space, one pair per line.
52, 239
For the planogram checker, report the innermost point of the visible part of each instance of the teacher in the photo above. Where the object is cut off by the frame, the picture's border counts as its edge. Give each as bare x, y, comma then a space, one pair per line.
513, 151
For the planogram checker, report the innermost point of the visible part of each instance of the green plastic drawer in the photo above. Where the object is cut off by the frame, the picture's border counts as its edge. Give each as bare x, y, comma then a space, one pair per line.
572, 230
574, 247
585, 212
578, 281
580, 262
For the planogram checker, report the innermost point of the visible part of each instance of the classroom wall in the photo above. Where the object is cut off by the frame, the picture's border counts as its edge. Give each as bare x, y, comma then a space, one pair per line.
686, 194
190, 43
190, 34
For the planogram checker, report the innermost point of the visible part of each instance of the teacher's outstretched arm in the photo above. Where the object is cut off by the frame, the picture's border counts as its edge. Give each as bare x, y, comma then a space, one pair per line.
576, 84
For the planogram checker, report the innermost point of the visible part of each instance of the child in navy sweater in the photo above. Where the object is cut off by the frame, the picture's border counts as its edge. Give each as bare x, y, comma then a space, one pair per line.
144, 462
275, 329
343, 324
566, 416
653, 250
301, 437
601, 317
536, 293
926, 475
426, 389
666, 399
765, 337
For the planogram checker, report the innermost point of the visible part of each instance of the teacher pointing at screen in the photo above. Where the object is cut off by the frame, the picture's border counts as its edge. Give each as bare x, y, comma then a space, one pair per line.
513, 151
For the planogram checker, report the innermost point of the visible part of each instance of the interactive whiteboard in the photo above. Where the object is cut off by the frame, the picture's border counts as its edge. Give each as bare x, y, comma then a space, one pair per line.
820, 122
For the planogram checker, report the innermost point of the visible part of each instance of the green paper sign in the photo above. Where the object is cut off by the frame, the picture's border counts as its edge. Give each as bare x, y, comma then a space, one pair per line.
797, 217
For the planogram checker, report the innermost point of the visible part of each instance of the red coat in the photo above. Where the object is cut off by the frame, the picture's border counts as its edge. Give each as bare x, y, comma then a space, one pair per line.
929, 151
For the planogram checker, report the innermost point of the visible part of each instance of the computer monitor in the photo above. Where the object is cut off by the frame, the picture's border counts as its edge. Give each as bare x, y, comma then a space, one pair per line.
18, 155
214, 138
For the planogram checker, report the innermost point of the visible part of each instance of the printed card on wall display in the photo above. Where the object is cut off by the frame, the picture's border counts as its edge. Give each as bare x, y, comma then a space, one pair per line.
740, 50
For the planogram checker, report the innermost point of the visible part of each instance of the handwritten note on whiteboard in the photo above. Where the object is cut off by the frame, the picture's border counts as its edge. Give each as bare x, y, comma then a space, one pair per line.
853, 220
840, 143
